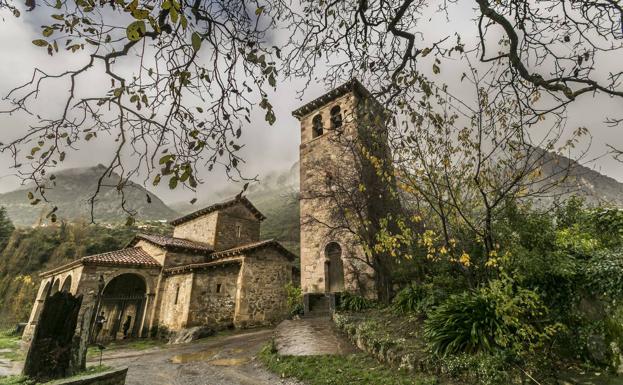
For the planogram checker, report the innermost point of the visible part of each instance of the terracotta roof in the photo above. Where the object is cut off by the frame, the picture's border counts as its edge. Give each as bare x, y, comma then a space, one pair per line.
132, 256
202, 266
173, 243
129, 256
228, 257
269, 243
219, 206
351, 85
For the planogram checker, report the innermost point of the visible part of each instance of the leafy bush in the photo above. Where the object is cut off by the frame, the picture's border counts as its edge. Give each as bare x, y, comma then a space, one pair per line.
353, 302
604, 274
498, 316
413, 299
294, 296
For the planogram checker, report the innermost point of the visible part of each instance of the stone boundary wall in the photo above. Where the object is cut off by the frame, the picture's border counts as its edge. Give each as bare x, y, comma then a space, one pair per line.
389, 352
111, 377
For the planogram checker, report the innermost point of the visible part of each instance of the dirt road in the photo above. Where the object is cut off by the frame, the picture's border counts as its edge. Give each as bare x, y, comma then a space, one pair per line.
220, 360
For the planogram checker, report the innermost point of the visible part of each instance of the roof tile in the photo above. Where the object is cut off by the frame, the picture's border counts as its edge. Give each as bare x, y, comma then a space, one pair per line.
253, 246
129, 256
173, 242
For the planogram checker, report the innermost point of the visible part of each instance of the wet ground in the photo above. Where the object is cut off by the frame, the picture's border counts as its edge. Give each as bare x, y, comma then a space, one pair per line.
310, 337
220, 360
10, 368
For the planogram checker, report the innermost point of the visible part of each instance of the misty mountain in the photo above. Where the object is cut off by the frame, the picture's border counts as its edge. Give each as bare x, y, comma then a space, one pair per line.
70, 191
577, 180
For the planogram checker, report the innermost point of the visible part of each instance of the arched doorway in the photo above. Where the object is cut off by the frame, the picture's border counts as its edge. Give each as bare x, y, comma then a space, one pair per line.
334, 268
123, 304
67, 284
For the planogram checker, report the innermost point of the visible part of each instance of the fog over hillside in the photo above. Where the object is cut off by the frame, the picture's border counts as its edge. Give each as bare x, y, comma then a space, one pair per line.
70, 191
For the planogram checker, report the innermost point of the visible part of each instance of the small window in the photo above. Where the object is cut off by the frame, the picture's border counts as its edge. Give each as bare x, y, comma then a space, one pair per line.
218, 287
317, 128
336, 117
177, 294
238, 231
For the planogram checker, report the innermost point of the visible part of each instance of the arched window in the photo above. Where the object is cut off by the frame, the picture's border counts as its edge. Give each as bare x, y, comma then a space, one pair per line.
317, 128
336, 117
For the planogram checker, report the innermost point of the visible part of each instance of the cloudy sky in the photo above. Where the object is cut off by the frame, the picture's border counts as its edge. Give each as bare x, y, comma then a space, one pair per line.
267, 148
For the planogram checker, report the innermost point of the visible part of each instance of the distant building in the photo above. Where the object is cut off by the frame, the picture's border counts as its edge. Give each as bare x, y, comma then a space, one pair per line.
214, 271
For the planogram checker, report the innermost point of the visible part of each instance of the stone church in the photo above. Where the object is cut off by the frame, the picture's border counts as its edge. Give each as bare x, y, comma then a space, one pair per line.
214, 271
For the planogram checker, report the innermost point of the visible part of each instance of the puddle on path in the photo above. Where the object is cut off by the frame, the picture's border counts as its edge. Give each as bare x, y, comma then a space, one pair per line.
229, 361
183, 358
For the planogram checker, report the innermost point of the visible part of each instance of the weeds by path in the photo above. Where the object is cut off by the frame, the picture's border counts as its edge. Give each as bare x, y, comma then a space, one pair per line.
352, 369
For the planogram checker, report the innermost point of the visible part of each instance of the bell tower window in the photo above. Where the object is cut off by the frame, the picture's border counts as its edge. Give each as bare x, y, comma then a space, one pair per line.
336, 117
317, 128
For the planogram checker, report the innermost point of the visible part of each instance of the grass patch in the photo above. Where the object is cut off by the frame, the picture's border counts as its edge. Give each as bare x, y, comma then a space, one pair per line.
358, 369
11, 342
16, 380
140, 344
23, 380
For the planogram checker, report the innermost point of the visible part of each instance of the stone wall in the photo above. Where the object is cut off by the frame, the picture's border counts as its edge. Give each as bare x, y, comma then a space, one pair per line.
236, 226
111, 377
156, 252
178, 259
175, 301
201, 229
213, 297
261, 293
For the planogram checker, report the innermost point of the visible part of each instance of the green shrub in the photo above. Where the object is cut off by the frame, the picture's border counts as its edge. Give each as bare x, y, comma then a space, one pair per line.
353, 302
413, 299
294, 296
465, 322
498, 316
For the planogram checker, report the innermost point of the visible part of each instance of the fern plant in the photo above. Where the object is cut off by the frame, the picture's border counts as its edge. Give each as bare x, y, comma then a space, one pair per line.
500, 315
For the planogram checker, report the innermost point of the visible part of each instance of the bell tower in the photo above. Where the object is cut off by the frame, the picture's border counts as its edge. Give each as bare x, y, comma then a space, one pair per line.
335, 141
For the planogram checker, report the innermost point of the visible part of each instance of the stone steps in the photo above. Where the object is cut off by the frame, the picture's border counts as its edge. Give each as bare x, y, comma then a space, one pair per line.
319, 305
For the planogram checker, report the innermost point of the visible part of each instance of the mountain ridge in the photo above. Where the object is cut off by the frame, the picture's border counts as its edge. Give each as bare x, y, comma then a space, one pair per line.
70, 191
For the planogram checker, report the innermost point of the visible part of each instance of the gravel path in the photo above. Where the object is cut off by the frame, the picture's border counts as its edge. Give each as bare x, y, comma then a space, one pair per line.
220, 360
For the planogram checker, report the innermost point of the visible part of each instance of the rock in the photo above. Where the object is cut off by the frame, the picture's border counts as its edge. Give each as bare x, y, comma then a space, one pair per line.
592, 309
598, 349
191, 334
